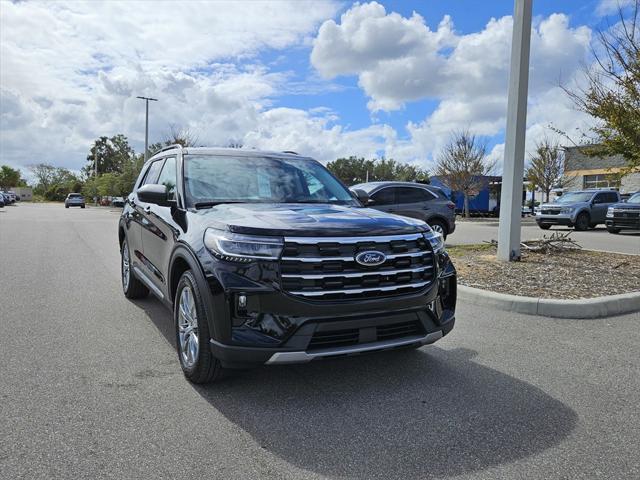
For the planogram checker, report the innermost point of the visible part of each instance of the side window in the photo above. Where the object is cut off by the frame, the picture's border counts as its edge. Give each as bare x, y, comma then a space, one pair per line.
605, 197
613, 197
153, 172
413, 195
386, 196
168, 177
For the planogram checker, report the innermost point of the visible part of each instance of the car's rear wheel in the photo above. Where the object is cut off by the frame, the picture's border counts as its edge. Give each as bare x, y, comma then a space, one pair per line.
544, 226
583, 221
439, 227
192, 334
613, 230
131, 286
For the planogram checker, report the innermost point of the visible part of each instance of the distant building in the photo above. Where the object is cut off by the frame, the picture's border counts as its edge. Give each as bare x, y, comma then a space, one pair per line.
25, 193
598, 172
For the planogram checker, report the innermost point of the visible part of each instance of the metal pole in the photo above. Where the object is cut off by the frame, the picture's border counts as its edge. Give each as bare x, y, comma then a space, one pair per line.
146, 125
513, 170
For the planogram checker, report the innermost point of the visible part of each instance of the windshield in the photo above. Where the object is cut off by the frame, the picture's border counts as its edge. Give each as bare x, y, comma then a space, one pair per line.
211, 178
575, 197
635, 198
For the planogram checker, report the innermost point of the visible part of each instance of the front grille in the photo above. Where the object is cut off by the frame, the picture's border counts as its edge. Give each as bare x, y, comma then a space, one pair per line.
549, 211
343, 338
325, 268
626, 213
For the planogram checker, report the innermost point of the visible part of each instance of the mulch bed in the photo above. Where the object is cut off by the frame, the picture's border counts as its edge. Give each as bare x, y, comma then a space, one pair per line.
570, 274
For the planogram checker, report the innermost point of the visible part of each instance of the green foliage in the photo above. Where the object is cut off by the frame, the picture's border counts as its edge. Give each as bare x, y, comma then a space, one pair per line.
354, 170
54, 183
9, 177
112, 154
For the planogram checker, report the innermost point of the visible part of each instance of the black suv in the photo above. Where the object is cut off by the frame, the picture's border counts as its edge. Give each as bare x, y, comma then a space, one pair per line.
266, 258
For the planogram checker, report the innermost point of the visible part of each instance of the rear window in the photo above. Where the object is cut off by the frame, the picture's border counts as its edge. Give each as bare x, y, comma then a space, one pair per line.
75, 195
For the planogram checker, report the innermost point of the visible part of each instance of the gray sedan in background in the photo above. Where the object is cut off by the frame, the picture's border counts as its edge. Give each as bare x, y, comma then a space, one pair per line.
415, 200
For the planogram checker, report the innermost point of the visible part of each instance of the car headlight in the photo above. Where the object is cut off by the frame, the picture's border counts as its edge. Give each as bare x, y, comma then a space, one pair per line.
610, 212
242, 248
436, 241
566, 210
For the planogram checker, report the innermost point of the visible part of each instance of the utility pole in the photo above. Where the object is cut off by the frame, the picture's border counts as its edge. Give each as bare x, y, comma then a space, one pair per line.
513, 170
146, 125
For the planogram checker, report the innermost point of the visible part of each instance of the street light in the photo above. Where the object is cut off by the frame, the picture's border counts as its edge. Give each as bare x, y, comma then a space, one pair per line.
146, 125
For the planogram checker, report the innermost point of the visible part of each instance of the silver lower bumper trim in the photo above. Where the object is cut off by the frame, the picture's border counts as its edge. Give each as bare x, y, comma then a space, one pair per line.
303, 357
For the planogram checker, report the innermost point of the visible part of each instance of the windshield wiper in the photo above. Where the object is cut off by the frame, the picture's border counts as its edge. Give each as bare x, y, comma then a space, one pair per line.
201, 205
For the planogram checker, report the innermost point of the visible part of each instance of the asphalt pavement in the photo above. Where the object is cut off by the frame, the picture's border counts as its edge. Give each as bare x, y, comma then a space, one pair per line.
90, 386
477, 231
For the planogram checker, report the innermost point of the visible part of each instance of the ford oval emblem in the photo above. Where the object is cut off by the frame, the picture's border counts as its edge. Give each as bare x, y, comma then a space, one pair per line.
370, 258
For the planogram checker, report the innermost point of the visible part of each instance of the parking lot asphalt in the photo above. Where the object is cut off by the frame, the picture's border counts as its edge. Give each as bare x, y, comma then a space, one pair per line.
90, 386
477, 231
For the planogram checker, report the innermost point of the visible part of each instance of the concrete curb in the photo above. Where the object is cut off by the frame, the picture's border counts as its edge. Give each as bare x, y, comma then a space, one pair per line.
584, 308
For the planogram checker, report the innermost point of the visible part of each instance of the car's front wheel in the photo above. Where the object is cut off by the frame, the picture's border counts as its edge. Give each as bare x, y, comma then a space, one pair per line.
192, 334
613, 230
583, 221
438, 227
544, 226
131, 286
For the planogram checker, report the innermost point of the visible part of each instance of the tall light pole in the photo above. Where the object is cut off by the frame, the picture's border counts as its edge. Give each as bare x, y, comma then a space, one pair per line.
146, 125
513, 169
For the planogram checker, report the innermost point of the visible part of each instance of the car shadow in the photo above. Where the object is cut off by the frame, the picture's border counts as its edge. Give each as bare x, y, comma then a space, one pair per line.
403, 414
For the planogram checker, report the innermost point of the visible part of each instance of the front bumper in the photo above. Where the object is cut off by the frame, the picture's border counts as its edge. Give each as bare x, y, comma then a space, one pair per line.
623, 224
561, 219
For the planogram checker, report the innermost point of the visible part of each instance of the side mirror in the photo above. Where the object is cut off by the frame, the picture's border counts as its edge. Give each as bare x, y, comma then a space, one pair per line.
361, 195
154, 193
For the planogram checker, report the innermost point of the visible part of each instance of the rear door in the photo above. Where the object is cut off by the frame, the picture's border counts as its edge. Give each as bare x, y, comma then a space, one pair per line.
414, 202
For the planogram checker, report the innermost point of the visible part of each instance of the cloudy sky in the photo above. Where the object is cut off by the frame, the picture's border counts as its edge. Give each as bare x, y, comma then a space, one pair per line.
324, 78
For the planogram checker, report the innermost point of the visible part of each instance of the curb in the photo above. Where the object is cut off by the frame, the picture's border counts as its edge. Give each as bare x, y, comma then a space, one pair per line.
583, 308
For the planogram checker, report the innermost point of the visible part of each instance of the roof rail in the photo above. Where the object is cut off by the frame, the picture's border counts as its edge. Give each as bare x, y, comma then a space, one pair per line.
169, 147
291, 152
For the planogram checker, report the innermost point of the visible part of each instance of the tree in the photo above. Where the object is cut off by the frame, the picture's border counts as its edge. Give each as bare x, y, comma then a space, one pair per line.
44, 176
9, 177
612, 94
462, 164
354, 170
546, 167
180, 136
111, 154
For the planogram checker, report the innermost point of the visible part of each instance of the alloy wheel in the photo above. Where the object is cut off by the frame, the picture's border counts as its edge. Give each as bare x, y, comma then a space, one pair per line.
187, 328
126, 266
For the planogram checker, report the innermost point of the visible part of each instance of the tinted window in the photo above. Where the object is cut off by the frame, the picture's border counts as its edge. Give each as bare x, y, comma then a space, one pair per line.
606, 197
168, 177
153, 172
386, 196
413, 195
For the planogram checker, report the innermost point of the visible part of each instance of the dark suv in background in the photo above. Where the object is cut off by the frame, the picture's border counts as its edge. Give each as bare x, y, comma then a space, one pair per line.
266, 258
415, 200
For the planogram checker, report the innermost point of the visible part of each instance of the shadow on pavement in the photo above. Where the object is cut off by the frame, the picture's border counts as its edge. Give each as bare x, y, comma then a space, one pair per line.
403, 414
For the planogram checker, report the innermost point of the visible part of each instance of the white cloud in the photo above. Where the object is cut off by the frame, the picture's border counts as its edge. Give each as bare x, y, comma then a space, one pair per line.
466, 73
607, 7
70, 71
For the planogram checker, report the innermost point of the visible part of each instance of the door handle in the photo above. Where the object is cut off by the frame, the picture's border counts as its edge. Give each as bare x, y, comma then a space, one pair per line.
147, 209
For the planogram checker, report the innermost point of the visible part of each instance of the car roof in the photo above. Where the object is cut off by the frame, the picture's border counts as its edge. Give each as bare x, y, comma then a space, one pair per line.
373, 185
231, 152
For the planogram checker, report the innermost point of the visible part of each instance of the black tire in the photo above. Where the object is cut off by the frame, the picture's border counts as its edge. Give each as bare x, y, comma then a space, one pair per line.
134, 288
544, 226
439, 226
615, 231
583, 221
81, 206
66, 206
206, 368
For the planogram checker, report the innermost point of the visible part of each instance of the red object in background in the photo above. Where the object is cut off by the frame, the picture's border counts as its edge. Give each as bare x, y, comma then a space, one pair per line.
451, 205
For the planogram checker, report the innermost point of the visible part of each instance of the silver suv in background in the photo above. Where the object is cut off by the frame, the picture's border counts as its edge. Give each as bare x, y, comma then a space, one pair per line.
415, 200
582, 209
74, 200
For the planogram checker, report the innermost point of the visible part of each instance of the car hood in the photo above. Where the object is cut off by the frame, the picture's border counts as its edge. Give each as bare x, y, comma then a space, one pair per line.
628, 206
307, 220
561, 205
